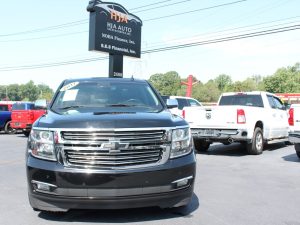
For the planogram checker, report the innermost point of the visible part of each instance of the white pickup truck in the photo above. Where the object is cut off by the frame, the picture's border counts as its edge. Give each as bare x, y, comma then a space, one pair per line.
294, 122
251, 118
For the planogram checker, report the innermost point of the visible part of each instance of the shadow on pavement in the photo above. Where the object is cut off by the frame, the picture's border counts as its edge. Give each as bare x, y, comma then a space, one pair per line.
124, 215
291, 158
237, 149
234, 149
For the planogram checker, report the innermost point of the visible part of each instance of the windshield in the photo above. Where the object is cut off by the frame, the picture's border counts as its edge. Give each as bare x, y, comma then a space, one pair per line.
106, 97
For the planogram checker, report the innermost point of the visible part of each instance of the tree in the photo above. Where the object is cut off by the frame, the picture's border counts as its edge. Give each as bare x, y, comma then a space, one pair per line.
167, 83
223, 81
285, 80
208, 92
14, 92
3, 91
45, 92
30, 92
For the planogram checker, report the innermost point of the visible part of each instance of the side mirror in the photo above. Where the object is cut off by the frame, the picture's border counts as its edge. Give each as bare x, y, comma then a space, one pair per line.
40, 104
172, 103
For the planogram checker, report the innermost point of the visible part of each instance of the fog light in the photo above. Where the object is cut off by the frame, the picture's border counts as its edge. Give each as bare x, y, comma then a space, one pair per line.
42, 186
182, 182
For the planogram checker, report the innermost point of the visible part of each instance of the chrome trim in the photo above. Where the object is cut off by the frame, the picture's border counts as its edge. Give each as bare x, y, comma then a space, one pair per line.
110, 129
164, 144
44, 183
92, 152
185, 178
51, 186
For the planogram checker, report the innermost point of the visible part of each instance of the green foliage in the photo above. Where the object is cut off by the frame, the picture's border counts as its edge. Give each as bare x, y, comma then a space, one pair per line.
25, 92
223, 81
208, 92
167, 83
285, 80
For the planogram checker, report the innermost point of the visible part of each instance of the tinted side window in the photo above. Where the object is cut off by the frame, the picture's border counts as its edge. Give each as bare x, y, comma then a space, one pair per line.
193, 102
182, 102
278, 103
3, 108
18, 106
271, 102
165, 97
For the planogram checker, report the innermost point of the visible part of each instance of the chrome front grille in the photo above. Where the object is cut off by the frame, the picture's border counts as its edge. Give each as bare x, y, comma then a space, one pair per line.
123, 136
114, 149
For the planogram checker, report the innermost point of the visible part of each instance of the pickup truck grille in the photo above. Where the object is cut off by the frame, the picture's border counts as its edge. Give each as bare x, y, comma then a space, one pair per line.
116, 149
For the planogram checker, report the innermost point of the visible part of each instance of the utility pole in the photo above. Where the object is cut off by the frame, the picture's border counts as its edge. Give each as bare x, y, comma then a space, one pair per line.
6, 93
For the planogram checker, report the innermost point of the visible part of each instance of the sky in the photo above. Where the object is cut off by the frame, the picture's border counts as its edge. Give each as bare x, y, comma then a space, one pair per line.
196, 21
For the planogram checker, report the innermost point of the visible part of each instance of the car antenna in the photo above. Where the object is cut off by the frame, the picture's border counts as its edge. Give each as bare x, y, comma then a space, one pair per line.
132, 78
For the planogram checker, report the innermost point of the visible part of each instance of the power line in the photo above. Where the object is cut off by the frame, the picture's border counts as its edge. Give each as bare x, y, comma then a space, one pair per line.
44, 37
162, 49
238, 30
80, 22
173, 39
156, 3
195, 10
75, 23
226, 39
157, 7
65, 25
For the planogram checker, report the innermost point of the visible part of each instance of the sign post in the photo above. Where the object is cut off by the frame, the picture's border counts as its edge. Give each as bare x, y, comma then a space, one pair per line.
116, 31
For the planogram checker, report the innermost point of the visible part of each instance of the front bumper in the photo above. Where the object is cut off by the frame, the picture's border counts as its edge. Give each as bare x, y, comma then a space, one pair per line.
110, 189
294, 137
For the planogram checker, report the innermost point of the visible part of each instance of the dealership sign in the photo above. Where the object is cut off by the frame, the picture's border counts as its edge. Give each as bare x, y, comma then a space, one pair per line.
113, 29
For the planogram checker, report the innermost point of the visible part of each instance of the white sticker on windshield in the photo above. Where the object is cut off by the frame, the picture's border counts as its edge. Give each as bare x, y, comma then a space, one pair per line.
69, 86
70, 95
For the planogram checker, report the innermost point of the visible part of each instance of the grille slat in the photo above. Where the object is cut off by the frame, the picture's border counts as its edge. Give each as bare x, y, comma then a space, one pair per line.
112, 158
105, 163
106, 153
101, 149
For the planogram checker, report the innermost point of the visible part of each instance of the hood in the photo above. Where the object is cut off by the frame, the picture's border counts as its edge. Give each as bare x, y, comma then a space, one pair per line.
110, 121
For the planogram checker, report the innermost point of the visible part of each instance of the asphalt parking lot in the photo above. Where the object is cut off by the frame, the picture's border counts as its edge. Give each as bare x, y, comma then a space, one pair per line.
231, 188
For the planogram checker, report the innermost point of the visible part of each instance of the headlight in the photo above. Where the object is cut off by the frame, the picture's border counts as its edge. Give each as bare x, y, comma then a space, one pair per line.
181, 142
41, 144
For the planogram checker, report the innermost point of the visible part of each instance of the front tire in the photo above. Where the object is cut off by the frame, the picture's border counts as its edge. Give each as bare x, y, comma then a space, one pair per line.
297, 148
201, 146
26, 133
8, 129
257, 145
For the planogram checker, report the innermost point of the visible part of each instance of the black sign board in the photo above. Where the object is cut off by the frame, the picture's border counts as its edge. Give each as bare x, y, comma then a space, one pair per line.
113, 29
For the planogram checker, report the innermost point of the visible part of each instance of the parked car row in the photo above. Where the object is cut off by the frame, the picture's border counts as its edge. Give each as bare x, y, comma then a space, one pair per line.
16, 116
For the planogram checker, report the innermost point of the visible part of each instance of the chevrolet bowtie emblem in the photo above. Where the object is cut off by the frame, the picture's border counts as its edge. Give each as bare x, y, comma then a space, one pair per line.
114, 146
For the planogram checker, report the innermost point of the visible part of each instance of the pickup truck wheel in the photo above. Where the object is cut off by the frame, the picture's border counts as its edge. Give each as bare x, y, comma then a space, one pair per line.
8, 129
297, 148
201, 146
257, 145
26, 133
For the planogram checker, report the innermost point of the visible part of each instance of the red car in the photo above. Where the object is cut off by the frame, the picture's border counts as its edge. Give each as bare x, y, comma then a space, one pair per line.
23, 115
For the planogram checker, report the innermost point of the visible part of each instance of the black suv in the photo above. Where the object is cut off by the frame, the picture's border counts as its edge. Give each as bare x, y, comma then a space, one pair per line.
109, 143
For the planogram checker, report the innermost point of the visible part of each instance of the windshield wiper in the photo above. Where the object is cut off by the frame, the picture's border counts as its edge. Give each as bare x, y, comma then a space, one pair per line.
120, 105
103, 113
71, 107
